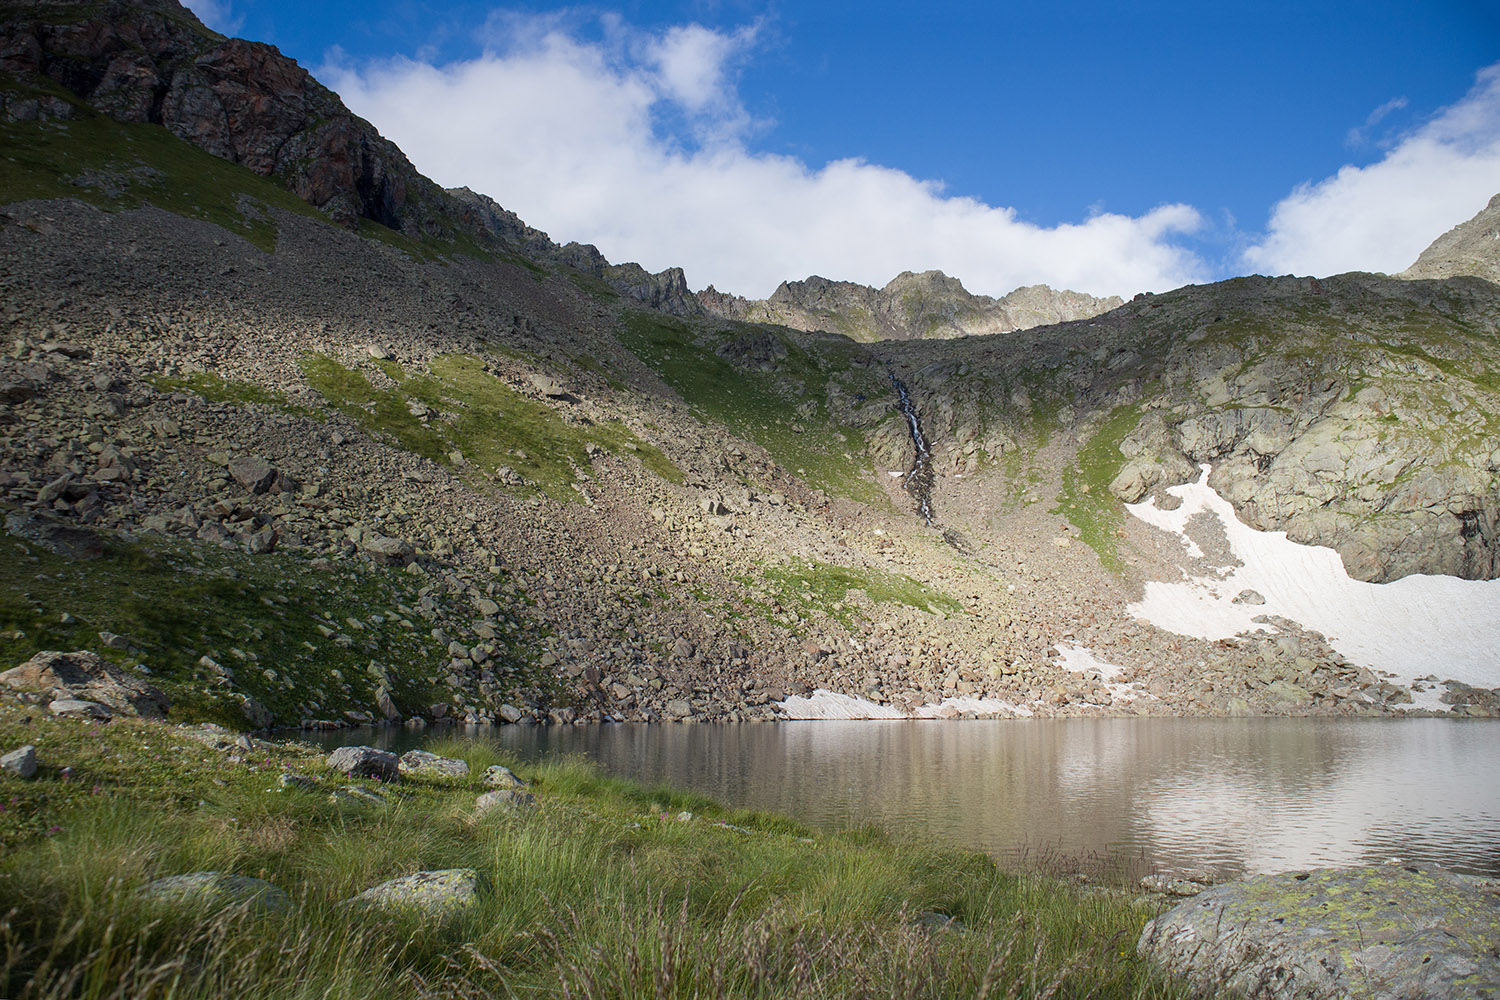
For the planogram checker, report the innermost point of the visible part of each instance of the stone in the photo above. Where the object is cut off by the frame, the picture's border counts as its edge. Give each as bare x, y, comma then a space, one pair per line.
386, 706
442, 893
357, 795
85, 676
1253, 597
365, 762
1384, 932
253, 473
21, 763
75, 706
500, 776
510, 713
256, 714
420, 762
1287, 692
504, 799
291, 779
390, 551
1169, 885
679, 708
211, 890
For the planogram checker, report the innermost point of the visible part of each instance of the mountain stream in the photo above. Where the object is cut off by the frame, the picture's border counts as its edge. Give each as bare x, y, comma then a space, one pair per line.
919, 480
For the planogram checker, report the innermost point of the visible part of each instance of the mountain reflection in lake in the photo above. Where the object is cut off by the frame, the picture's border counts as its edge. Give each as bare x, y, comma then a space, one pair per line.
1229, 796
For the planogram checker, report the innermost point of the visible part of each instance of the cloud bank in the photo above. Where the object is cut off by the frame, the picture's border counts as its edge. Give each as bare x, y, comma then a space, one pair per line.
636, 142
1380, 217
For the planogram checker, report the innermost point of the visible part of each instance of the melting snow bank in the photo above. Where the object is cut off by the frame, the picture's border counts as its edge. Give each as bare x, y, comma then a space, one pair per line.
824, 704
1411, 628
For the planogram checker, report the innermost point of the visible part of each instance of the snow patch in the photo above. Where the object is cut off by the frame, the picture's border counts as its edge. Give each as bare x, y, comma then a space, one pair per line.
1411, 628
824, 704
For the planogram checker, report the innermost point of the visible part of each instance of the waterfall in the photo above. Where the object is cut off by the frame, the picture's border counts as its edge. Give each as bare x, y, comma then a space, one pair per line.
919, 480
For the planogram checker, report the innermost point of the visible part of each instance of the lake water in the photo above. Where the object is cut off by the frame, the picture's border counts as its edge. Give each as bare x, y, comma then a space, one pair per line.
1226, 796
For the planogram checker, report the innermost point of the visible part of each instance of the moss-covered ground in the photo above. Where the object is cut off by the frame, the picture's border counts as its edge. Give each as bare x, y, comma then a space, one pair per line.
302, 640
784, 410
473, 414
1086, 500
608, 889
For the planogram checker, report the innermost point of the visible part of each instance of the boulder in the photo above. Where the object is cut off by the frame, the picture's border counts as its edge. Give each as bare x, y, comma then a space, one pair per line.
420, 762
253, 473
1382, 932
433, 893
211, 890
504, 799
21, 763
365, 762
85, 676
500, 776
391, 551
74, 706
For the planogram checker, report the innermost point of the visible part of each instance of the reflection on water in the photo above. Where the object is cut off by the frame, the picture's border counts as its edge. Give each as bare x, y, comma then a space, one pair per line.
1230, 796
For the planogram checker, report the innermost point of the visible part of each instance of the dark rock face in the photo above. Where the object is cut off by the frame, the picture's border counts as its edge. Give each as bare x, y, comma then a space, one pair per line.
666, 290
153, 61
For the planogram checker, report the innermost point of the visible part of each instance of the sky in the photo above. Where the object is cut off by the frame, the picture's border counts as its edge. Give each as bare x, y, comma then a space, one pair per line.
1078, 144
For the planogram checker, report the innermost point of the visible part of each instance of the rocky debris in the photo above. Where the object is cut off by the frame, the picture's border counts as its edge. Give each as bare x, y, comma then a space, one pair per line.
443, 893
504, 800
85, 677
70, 540
430, 765
910, 307
1470, 248
214, 890
500, 776
1388, 931
298, 782
1171, 885
365, 762
20, 762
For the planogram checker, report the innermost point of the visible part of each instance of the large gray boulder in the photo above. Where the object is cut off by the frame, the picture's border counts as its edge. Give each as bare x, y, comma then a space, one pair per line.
365, 762
86, 676
430, 765
440, 893
1387, 932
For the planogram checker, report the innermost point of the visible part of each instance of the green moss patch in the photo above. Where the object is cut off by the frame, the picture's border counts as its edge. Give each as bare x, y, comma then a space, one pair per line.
1086, 500
473, 413
280, 631
784, 410
820, 586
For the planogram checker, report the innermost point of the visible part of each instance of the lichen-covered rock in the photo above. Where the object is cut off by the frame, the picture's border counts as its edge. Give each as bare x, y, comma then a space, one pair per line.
365, 762
500, 776
420, 762
505, 800
1386, 932
216, 889
86, 676
435, 893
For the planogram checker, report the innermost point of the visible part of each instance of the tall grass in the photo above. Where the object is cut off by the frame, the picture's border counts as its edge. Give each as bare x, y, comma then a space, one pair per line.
601, 892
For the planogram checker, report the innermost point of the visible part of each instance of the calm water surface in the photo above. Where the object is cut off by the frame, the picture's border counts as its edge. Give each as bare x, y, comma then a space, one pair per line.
1229, 796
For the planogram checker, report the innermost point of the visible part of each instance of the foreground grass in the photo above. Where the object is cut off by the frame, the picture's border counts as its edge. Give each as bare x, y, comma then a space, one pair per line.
607, 890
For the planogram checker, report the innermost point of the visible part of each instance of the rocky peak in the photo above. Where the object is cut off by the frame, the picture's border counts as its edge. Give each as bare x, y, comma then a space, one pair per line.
911, 306
1471, 248
666, 290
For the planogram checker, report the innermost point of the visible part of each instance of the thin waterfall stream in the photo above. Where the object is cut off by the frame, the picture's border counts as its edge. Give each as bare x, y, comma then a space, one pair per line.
919, 480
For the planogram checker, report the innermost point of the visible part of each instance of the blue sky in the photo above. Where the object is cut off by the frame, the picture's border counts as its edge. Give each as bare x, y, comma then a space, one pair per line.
1079, 144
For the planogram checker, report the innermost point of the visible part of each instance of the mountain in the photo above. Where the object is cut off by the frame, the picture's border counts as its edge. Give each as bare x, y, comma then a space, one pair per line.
310, 439
910, 307
1471, 248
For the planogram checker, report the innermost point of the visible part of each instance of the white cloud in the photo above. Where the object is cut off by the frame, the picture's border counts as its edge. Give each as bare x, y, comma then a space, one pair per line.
1380, 217
1360, 134
638, 144
217, 14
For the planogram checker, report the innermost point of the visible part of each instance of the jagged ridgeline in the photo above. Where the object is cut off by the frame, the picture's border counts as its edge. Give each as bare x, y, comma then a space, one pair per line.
412, 457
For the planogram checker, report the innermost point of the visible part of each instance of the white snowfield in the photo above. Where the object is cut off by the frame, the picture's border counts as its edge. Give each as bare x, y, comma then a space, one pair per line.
1415, 627
823, 704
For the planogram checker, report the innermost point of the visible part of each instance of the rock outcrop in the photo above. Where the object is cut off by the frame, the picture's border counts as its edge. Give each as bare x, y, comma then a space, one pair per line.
1471, 248
86, 677
1379, 933
929, 305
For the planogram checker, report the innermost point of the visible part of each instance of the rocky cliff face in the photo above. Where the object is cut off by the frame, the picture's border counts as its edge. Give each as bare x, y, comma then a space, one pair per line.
1472, 248
929, 305
152, 61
